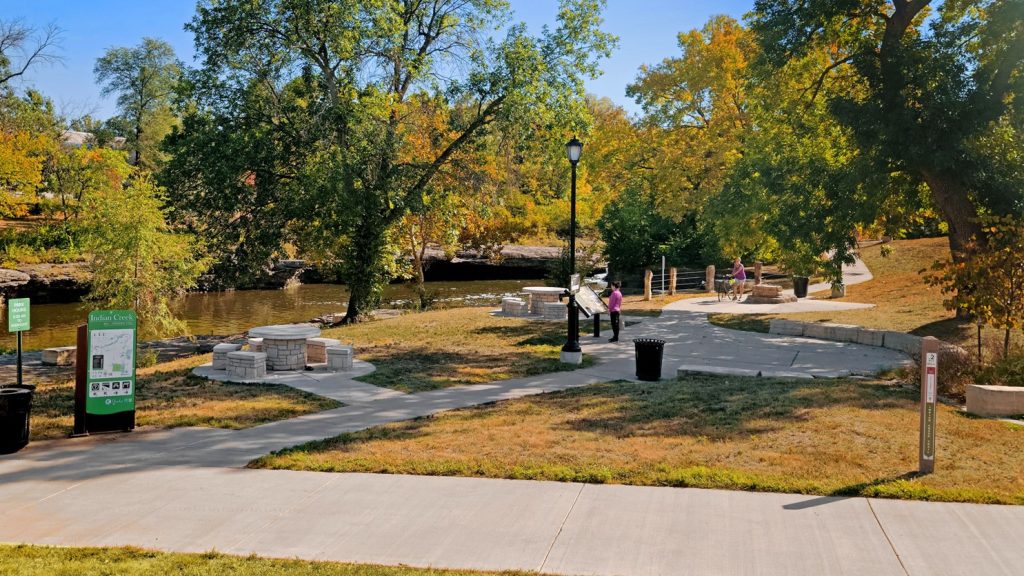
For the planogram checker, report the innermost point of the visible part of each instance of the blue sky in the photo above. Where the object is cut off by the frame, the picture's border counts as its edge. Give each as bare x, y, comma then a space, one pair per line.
647, 32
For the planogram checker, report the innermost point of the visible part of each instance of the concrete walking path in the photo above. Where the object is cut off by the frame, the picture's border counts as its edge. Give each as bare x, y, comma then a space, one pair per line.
186, 490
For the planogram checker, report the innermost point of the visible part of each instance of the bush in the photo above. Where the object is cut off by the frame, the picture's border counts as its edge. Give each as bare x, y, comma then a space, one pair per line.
957, 369
1009, 371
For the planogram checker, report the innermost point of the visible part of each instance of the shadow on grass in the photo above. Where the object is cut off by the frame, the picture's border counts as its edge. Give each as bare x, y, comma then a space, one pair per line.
716, 408
423, 369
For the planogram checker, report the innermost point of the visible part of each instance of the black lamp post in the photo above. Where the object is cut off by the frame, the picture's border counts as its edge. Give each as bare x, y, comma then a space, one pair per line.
571, 352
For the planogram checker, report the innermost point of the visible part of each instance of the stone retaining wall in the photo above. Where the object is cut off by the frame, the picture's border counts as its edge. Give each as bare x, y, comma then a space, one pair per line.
900, 341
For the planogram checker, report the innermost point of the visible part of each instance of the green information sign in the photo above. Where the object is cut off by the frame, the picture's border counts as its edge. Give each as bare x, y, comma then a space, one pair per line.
110, 374
18, 319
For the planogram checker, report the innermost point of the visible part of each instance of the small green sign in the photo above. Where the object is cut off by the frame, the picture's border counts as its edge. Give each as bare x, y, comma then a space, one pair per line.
18, 315
110, 380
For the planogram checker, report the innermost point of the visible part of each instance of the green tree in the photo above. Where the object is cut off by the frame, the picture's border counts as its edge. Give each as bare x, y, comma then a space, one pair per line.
137, 260
144, 79
933, 79
316, 98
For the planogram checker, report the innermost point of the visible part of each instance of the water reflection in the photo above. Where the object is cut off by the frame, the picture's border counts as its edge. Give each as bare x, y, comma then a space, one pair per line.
235, 312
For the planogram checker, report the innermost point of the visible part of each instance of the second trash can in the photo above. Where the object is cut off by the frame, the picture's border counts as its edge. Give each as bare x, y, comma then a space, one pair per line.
649, 352
15, 406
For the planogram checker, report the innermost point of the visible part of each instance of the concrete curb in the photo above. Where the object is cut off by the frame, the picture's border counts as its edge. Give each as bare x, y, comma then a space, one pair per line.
899, 341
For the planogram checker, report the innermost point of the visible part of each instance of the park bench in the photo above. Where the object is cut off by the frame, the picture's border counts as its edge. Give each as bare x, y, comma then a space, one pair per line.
339, 358
316, 349
245, 365
60, 356
255, 344
220, 354
514, 307
554, 311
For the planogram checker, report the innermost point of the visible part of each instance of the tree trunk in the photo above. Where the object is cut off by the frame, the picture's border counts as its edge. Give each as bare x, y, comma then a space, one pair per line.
951, 198
364, 268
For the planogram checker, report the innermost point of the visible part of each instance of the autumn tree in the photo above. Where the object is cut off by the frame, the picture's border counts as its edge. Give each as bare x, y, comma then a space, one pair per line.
143, 78
314, 98
987, 281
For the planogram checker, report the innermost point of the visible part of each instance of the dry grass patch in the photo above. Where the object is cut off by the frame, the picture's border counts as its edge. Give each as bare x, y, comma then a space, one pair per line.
816, 437
169, 396
438, 349
47, 561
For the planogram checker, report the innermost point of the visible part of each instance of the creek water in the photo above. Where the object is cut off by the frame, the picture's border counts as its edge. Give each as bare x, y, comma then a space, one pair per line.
226, 313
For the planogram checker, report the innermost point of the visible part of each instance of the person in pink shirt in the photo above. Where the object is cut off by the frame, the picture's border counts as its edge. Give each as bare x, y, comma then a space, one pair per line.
739, 274
615, 310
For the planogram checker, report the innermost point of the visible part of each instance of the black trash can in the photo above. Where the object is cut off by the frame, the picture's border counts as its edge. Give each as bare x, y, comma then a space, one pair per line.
15, 406
649, 352
800, 286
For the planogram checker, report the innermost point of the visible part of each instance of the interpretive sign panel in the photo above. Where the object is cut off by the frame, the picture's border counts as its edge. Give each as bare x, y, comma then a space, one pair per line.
589, 302
110, 382
18, 318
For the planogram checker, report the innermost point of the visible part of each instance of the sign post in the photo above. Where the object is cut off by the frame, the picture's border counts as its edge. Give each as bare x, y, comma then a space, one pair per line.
929, 394
18, 320
105, 375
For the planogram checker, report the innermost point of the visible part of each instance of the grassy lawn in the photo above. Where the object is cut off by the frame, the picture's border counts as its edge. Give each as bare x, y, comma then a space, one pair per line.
47, 561
443, 348
902, 300
169, 396
845, 437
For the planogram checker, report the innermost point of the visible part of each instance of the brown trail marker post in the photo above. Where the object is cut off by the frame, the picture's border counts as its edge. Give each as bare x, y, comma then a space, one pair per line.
929, 394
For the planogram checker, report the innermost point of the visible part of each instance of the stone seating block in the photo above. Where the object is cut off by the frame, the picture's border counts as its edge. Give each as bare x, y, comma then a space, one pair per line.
255, 344
245, 365
903, 342
995, 401
339, 358
60, 356
316, 349
220, 354
786, 327
555, 311
869, 337
767, 291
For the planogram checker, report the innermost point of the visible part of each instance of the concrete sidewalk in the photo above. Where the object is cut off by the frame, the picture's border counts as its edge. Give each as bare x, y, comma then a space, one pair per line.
557, 528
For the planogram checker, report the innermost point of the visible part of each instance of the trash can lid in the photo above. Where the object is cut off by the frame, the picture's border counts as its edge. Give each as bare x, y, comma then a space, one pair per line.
647, 341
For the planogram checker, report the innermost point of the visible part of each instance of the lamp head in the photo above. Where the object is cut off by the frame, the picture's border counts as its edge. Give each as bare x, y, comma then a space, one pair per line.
574, 148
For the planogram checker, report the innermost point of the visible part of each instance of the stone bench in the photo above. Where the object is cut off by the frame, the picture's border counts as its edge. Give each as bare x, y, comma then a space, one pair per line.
995, 401
316, 349
255, 344
339, 358
245, 365
220, 354
514, 307
769, 294
554, 311
61, 356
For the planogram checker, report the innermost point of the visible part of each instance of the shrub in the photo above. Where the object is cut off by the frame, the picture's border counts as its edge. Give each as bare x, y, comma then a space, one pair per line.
1008, 371
957, 369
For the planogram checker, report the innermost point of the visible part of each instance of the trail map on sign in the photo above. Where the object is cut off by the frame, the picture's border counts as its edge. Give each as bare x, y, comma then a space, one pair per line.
112, 354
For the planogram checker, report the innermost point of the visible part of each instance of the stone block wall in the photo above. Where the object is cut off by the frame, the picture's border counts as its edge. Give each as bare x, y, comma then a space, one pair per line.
900, 341
995, 400
285, 354
247, 365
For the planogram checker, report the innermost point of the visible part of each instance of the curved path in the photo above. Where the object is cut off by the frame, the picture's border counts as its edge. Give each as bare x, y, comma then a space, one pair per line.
186, 490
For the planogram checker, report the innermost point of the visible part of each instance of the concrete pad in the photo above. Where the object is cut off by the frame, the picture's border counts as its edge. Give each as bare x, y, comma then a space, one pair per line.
644, 531
712, 305
422, 521
949, 539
